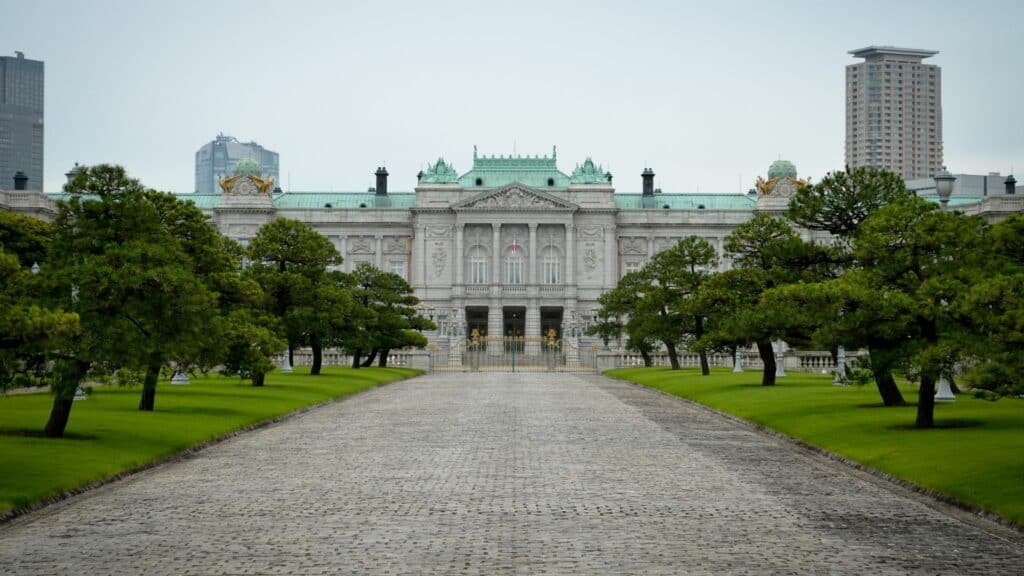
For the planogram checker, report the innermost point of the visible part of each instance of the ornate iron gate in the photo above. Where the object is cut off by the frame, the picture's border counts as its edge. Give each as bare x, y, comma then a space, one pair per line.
512, 354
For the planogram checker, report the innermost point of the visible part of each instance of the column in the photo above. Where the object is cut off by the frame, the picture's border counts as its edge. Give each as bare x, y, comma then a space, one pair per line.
379, 257
460, 256
495, 319
496, 255
611, 263
570, 254
423, 257
533, 329
532, 275
650, 247
341, 250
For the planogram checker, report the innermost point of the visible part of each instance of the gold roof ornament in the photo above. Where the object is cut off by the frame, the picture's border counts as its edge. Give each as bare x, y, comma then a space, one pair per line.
782, 180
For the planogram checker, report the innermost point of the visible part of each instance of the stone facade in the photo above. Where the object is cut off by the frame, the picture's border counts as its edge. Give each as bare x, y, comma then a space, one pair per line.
514, 246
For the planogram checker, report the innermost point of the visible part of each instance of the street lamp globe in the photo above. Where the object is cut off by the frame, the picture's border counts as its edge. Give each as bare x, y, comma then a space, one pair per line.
944, 186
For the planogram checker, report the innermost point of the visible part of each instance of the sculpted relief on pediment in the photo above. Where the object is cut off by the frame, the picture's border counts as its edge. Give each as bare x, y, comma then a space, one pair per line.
515, 199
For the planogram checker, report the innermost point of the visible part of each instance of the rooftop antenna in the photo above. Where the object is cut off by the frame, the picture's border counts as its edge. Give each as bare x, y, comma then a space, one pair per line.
514, 152
289, 180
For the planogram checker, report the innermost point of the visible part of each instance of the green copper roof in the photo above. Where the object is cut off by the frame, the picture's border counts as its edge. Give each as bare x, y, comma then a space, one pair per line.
496, 171
248, 167
311, 200
689, 201
440, 172
781, 169
588, 173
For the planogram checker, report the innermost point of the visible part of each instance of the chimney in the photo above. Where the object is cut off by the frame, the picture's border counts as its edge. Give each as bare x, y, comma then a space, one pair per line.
648, 177
382, 181
1011, 184
20, 180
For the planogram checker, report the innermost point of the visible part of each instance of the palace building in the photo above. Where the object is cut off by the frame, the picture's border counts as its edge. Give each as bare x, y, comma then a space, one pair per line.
514, 246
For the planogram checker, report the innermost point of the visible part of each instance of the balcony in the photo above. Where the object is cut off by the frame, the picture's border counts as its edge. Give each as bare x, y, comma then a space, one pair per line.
551, 290
514, 289
477, 289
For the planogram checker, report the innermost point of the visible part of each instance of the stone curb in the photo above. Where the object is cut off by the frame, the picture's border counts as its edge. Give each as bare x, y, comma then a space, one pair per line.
7, 517
975, 515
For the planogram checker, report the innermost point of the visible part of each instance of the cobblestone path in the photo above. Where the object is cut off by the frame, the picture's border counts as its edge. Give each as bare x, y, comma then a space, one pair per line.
502, 474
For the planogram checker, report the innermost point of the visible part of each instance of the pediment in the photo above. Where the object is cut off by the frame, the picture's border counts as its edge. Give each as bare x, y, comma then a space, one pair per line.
514, 197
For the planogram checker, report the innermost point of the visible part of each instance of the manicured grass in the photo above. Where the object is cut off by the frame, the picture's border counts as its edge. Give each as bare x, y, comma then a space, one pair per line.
976, 453
107, 434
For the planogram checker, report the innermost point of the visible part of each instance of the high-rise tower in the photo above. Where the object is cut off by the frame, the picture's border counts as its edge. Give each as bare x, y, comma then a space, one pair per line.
21, 119
894, 111
217, 159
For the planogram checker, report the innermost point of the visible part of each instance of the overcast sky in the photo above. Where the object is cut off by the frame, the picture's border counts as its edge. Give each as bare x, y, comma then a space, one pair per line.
707, 94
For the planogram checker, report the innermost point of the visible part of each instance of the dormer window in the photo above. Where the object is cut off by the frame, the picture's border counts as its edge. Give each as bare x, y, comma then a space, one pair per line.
479, 181
551, 181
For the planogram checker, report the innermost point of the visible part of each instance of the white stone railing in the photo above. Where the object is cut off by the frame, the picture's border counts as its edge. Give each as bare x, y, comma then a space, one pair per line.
551, 290
477, 290
514, 289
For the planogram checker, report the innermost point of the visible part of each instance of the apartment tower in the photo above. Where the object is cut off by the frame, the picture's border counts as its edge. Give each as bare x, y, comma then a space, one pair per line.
21, 120
894, 111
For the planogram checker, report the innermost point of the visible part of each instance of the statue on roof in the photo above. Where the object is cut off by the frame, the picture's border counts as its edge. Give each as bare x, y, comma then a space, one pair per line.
441, 172
782, 180
247, 180
588, 173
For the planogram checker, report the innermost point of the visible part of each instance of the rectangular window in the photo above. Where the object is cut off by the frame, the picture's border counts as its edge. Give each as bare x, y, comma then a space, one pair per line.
550, 272
478, 271
397, 267
514, 270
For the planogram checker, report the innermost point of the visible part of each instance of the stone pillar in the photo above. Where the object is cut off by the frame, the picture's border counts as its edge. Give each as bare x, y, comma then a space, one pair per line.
570, 254
650, 248
780, 359
496, 255
840, 379
737, 362
495, 317
460, 256
533, 329
341, 250
611, 263
379, 256
532, 275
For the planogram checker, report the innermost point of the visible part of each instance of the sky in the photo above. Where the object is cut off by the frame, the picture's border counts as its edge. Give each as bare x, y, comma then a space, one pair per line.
707, 94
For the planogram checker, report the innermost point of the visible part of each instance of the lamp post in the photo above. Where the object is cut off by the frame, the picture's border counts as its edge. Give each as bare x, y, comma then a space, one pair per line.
944, 187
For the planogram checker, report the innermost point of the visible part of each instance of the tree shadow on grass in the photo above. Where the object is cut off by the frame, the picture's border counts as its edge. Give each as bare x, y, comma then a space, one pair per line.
199, 410
27, 433
943, 424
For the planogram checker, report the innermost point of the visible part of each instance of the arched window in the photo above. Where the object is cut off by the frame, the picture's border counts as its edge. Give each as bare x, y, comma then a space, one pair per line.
477, 265
551, 266
514, 268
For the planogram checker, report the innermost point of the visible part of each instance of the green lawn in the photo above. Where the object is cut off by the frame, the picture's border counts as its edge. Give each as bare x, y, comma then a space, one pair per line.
976, 454
108, 435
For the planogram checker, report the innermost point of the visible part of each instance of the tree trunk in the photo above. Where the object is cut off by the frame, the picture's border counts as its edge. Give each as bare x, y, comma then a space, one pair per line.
257, 379
318, 355
64, 398
369, 359
673, 357
148, 400
383, 363
698, 332
59, 414
767, 353
881, 369
356, 354
291, 355
926, 401
647, 359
